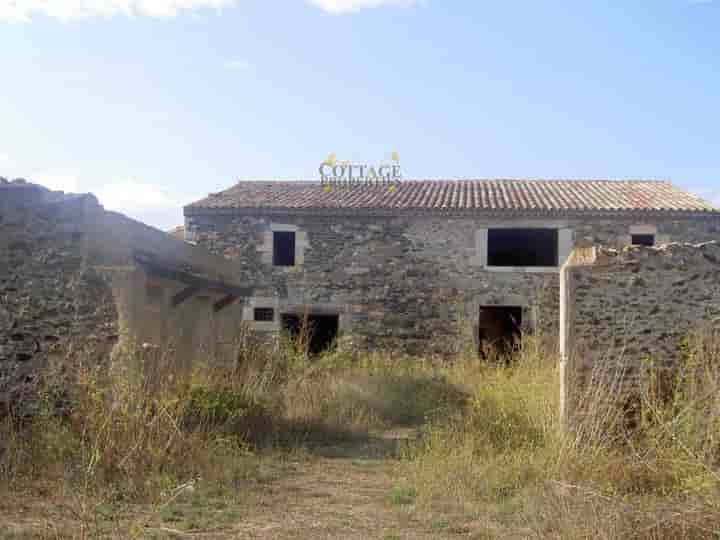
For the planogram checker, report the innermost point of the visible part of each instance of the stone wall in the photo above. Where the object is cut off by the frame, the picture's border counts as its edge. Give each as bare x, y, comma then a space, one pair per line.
50, 299
634, 306
413, 282
70, 283
70, 279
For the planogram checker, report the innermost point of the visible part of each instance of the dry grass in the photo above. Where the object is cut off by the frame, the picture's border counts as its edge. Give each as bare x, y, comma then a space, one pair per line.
147, 436
281, 446
504, 465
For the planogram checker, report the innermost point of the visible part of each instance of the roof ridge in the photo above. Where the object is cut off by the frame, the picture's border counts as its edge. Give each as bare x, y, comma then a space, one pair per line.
469, 179
529, 195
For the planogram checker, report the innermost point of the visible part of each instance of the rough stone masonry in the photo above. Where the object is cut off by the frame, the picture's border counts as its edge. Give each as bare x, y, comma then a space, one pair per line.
628, 308
79, 283
411, 267
49, 297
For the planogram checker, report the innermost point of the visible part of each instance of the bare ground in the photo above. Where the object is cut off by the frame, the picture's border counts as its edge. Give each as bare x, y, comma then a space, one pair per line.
346, 492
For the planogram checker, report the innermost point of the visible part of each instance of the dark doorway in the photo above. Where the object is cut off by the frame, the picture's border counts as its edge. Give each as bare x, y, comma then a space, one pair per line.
499, 330
322, 330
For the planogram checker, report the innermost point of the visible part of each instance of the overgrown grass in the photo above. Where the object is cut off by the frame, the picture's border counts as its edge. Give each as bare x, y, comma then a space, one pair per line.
504, 462
139, 434
490, 458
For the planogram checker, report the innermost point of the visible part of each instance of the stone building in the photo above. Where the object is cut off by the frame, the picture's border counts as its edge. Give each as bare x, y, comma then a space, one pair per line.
428, 266
79, 284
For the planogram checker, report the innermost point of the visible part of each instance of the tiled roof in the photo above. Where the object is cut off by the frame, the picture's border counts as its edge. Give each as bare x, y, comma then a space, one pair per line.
519, 196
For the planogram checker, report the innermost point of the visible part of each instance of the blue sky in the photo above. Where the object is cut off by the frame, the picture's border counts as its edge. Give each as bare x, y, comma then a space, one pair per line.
151, 104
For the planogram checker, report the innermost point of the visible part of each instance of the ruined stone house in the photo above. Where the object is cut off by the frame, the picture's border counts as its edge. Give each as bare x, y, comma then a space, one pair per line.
79, 283
428, 266
424, 267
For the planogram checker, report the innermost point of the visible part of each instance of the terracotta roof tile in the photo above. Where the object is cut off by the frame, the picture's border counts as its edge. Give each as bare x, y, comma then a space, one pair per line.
462, 195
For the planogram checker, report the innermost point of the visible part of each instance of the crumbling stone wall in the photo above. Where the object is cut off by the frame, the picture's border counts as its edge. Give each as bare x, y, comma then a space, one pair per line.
410, 282
70, 283
51, 301
634, 306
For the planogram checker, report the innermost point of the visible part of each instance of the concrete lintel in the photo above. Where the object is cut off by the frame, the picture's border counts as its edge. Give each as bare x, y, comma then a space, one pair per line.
643, 229
263, 301
281, 227
315, 309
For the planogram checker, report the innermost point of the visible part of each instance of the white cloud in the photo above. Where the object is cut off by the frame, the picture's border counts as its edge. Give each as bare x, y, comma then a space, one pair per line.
66, 10
57, 181
239, 65
149, 203
22, 11
350, 6
4, 158
130, 195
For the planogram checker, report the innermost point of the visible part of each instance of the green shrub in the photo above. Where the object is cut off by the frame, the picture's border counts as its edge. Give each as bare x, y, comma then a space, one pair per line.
227, 411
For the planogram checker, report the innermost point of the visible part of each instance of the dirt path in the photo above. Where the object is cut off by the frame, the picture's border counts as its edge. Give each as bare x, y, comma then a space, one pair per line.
343, 492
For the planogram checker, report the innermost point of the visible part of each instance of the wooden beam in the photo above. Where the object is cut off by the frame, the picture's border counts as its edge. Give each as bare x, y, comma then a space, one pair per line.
183, 295
224, 302
174, 273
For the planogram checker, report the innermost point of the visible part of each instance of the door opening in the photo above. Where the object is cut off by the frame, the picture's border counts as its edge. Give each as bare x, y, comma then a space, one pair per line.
499, 330
322, 330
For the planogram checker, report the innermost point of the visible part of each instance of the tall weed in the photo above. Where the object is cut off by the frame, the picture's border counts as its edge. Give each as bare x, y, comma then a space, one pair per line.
505, 457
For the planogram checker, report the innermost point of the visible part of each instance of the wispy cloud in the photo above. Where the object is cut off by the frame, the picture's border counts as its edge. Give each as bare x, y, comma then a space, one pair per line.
351, 6
239, 65
145, 201
66, 10
129, 194
23, 11
148, 202
57, 181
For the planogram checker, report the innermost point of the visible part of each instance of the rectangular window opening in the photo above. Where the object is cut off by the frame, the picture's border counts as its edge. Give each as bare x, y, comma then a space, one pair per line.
522, 247
643, 239
284, 248
264, 314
